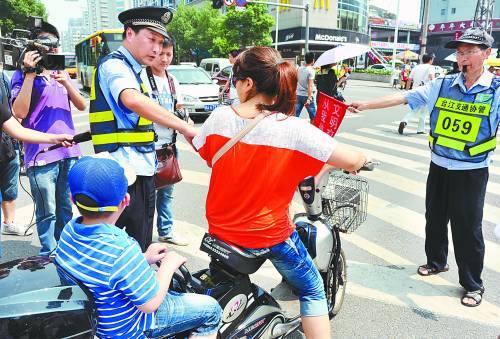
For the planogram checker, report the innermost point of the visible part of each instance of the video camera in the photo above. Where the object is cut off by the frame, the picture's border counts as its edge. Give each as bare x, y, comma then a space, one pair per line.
14, 46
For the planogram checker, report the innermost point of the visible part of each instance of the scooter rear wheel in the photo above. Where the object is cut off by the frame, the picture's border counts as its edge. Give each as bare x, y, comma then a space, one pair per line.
335, 285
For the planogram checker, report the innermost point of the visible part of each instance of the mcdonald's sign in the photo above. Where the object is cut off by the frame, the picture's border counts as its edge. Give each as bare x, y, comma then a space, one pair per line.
285, 2
321, 4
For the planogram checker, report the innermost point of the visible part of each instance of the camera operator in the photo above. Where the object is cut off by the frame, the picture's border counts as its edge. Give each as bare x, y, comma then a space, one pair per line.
42, 101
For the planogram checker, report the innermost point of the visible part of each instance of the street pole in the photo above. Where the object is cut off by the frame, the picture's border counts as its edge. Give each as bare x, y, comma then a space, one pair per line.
306, 8
396, 32
425, 24
277, 25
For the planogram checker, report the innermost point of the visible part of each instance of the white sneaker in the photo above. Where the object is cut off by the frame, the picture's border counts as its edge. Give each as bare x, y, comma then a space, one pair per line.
15, 229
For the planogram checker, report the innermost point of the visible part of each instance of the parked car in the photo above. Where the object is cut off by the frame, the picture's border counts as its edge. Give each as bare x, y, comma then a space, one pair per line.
201, 93
214, 65
439, 71
381, 66
222, 76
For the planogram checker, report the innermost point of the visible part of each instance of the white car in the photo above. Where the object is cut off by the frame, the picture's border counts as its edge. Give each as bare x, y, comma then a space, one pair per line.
439, 71
201, 94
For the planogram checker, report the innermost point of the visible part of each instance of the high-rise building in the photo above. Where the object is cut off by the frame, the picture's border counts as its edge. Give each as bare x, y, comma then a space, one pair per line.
104, 13
448, 19
77, 30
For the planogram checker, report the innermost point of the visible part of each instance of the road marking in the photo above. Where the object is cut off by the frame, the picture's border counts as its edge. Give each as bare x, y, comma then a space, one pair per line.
414, 223
405, 184
396, 284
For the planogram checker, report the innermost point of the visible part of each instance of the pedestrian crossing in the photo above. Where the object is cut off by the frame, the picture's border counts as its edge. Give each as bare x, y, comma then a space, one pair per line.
391, 276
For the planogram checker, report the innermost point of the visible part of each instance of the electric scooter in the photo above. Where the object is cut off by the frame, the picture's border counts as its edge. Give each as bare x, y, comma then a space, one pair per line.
40, 300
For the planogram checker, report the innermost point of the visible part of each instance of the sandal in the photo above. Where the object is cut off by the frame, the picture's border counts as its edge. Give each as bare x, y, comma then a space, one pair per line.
431, 270
477, 296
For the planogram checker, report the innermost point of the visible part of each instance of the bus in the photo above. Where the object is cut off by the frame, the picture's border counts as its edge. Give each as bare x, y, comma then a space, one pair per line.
89, 50
70, 64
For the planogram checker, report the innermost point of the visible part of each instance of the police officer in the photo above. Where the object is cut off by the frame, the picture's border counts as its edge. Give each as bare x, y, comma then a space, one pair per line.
463, 122
122, 115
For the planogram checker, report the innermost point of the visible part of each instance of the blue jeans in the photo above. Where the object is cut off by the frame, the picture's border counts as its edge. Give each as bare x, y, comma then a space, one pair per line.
9, 179
292, 261
181, 312
311, 109
165, 217
9, 183
50, 190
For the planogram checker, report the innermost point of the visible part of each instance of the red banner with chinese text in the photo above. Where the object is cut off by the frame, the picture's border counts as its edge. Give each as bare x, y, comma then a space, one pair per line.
329, 114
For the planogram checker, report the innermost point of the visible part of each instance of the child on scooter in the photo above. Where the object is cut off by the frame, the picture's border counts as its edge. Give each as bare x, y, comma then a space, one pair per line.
252, 184
132, 301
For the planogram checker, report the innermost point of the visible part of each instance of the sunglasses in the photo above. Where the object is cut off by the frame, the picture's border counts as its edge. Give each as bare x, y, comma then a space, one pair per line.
235, 79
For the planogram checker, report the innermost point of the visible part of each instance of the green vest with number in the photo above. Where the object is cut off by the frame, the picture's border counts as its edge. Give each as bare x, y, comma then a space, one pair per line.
461, 125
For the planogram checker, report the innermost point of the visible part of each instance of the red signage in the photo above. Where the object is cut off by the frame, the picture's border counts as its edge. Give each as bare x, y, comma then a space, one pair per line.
329, 114
452, 26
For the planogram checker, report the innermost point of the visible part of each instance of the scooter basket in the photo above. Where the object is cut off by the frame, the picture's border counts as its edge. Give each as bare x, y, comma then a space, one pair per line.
345, 201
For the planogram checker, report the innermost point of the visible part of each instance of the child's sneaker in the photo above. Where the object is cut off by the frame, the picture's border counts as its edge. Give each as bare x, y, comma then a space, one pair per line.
14, 229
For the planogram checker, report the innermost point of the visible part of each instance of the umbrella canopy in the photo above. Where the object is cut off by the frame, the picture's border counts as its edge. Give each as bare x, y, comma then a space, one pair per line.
341, 52
408, 55
493, 62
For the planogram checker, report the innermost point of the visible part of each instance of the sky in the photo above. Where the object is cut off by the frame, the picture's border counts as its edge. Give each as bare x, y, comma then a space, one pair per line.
61, 10
409, 10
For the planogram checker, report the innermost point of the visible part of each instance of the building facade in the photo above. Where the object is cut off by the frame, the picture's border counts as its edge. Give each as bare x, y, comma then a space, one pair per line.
331, 22
159, 3
77, 30
448, 19
103, 14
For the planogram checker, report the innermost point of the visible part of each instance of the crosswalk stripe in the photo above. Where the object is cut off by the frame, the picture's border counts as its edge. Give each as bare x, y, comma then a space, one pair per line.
414, 223
417, 166
491, 213
394, 136
385, 286
399, 148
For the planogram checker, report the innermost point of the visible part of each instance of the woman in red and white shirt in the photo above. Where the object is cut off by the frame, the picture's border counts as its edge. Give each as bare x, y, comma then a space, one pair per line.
252, 185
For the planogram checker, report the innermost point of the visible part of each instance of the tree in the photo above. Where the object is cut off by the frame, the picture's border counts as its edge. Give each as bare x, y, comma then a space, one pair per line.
194, 29
250, 27
15, 13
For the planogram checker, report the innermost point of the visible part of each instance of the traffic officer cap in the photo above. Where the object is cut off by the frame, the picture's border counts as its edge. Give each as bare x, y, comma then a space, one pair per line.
475, 36
154, 18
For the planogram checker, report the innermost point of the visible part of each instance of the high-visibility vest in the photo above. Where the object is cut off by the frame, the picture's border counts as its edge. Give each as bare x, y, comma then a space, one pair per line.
106, 136
461, 125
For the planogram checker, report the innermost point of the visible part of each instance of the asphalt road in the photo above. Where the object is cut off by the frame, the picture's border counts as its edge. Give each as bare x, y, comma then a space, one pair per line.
385, 297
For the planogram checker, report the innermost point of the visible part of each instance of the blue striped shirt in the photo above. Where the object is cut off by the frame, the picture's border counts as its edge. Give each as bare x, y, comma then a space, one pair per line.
111, 265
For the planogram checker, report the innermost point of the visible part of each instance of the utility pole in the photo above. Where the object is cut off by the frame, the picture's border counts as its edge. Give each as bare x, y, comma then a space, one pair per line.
277, 25
484, 13
396, 32
425, 24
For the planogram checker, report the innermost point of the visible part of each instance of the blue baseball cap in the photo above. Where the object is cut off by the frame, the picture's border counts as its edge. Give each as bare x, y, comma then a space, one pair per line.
100, 178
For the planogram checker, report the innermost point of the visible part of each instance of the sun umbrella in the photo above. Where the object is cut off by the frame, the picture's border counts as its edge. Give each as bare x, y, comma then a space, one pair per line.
408, 55
341, 52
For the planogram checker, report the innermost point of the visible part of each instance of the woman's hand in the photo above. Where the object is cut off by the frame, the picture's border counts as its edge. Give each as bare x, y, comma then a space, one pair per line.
61, 77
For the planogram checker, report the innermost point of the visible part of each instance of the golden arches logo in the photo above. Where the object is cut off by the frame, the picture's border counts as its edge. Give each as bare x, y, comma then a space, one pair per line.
285, 2
321, 4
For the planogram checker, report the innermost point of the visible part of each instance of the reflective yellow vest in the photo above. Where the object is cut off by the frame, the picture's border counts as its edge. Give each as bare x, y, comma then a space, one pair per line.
106, 136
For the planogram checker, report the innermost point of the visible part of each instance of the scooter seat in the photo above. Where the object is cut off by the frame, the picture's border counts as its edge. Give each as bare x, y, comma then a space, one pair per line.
232, 256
